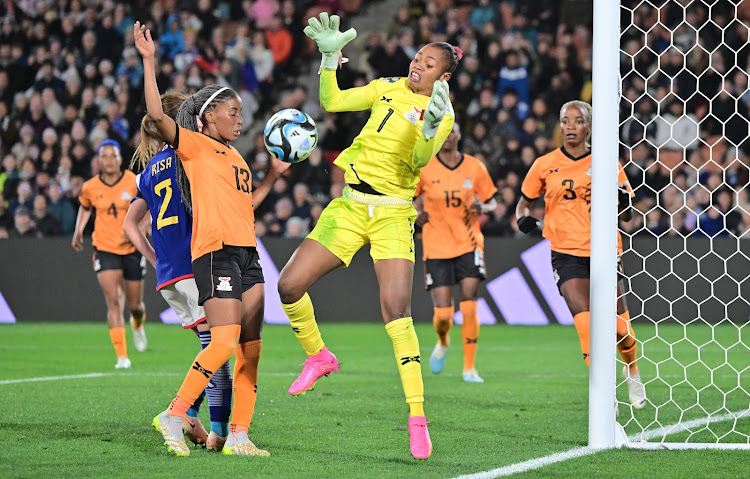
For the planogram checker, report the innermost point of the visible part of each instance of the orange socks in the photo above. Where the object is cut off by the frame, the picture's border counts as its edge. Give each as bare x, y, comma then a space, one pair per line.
626, 342
138, 318
469, 332
118, 341
443, 320
583, 327
223, 343
245, 384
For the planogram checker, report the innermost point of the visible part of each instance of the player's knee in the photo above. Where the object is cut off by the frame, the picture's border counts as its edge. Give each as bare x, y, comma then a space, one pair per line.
224, 347
289, 291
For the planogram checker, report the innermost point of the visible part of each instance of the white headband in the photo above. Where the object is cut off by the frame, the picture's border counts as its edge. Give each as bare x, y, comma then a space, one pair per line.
210, 99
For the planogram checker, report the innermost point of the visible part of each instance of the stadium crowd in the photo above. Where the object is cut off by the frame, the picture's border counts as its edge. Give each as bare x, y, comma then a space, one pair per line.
70, 78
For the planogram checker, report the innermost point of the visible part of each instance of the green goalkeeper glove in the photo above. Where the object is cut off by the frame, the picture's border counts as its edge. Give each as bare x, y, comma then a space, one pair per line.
436, 109
329, 39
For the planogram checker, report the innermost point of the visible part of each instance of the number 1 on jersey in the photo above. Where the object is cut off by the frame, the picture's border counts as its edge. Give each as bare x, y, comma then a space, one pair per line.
382, 124
161, 221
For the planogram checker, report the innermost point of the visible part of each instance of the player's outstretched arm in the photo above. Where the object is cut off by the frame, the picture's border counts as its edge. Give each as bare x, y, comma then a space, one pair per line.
277, 169
137, 213
325, 32
145, 46
526, 222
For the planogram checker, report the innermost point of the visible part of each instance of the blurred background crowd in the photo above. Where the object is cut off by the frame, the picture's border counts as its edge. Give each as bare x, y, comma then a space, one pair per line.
70, 78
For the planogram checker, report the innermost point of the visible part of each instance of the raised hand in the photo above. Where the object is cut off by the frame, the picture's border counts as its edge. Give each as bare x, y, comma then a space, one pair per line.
436, 109
325, 32
143, 41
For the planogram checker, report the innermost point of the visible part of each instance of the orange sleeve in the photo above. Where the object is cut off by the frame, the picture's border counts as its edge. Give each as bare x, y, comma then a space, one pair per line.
83, 197
622, 179
420, 185
485, 188
533, 185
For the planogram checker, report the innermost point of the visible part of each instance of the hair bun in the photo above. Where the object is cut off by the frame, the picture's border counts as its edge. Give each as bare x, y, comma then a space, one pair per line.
459, 53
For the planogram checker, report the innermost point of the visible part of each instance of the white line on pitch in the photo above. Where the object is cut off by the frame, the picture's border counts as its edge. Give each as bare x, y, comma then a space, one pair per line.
532, 464
55, 378
101, 375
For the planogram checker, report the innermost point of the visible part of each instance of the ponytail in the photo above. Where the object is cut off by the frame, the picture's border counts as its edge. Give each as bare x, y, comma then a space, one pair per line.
151, 139
190, 117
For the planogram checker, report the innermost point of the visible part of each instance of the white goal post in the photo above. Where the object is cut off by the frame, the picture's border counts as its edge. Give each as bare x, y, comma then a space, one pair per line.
688, 291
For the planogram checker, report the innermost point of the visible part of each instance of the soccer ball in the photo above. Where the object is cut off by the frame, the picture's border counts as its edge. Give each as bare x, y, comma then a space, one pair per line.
290, 135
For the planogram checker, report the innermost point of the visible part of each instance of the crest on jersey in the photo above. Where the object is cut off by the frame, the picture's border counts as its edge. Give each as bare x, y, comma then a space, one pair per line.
414, 115
589, 172
224, 284
126, 196
467, 183
390, 79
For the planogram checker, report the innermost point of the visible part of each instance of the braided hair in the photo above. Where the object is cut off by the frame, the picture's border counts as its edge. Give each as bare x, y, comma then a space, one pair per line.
151, 139
453, 54
191, 117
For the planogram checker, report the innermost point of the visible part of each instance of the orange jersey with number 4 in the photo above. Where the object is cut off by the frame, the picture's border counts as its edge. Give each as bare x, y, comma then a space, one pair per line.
565, 182
220, 186
448, 193
111, 203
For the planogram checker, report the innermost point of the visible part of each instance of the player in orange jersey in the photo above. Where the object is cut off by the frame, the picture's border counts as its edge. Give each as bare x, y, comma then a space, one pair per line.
455, 188
564, 177
215, 183
116, 261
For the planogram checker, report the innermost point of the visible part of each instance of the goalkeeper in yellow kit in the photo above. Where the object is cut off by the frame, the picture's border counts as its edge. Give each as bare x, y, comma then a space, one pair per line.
410, 119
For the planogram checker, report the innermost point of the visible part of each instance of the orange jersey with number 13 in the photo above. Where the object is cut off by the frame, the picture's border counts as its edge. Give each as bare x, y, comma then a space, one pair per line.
221, 187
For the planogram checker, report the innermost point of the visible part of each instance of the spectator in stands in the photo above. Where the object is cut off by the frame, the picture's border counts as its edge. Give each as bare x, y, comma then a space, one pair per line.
23, 225
9, 176
296, 227
24, 197
279, 41
60, 207
6, 219
45, 222
301, 201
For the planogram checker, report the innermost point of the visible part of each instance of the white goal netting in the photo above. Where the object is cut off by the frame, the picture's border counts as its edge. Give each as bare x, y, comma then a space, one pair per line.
684, 142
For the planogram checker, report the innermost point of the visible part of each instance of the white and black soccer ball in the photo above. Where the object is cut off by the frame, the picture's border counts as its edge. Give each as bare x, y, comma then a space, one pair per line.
290, 135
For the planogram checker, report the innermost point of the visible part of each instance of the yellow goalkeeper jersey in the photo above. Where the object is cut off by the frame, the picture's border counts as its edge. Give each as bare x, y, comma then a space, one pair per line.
390, 150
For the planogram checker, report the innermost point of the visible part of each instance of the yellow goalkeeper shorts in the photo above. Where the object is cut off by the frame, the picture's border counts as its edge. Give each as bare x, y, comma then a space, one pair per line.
346, 225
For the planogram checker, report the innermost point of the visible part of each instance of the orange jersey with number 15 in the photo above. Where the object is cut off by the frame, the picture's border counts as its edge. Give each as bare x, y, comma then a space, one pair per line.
565, 182
111, 203
220, 186
448, 193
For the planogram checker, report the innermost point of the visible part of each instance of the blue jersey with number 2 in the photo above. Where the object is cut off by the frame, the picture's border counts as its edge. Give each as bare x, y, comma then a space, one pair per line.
171, 223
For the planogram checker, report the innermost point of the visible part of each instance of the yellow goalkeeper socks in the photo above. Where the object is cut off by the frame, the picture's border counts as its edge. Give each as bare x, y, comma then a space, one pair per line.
302, 320
406, 348
583, 323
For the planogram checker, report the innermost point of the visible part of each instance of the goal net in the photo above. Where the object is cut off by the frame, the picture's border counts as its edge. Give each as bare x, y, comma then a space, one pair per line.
683, 140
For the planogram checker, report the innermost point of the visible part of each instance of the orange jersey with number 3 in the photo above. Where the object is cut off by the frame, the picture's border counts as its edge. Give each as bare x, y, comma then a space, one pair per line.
565, 182
448, 193
111, 203
220, 186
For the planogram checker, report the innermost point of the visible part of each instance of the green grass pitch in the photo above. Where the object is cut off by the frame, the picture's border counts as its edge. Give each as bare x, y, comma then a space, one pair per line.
353, 425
